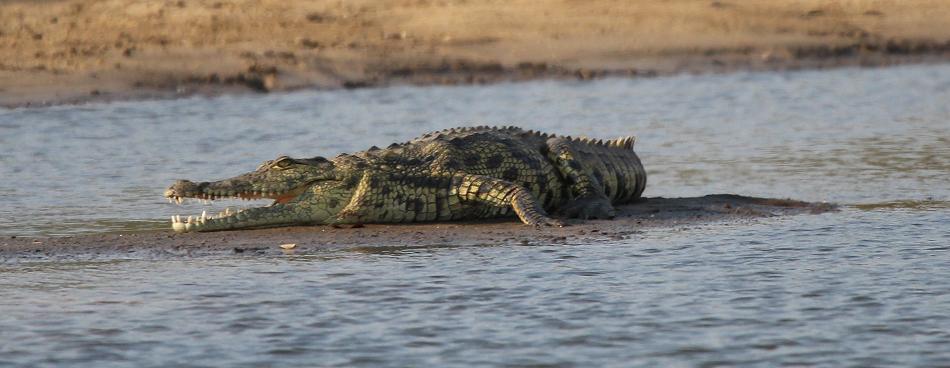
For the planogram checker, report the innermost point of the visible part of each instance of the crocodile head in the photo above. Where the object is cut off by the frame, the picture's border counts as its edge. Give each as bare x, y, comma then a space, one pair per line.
303, 190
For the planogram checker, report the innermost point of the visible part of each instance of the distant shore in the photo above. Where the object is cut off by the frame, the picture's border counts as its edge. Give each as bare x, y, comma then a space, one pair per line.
69, 51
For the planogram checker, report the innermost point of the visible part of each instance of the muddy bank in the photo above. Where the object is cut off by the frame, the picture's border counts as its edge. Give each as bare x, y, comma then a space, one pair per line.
75, 51
673, 214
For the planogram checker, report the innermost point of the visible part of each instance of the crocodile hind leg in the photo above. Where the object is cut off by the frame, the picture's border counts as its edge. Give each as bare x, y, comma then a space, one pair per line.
501, 193
589, 198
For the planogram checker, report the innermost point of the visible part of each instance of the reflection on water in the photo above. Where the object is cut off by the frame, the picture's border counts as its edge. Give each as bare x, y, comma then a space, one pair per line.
865, 286
808, 135
924, 205
408, 249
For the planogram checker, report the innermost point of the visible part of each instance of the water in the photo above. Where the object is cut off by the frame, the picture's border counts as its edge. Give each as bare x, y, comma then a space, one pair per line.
866, 286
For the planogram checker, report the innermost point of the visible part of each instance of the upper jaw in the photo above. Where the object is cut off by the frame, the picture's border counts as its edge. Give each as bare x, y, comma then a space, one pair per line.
211, 191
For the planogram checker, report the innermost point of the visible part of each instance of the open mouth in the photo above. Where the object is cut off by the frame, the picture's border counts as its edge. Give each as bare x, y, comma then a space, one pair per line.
179, 222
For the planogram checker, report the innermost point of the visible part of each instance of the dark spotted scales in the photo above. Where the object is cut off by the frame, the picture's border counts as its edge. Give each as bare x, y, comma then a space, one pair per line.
454, 174
492, 172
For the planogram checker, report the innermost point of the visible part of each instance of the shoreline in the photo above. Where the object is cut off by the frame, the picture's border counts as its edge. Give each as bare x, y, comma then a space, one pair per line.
68, 52
55, 95
673, 214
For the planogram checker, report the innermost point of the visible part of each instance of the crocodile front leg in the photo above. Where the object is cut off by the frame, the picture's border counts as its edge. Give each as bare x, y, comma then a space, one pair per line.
385, 197
356, 209
501, 193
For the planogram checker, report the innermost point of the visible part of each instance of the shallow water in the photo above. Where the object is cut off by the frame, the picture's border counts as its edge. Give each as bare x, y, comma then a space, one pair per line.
865, 286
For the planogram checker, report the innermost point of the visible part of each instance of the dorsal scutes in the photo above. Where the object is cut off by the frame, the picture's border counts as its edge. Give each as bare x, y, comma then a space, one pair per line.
623, 142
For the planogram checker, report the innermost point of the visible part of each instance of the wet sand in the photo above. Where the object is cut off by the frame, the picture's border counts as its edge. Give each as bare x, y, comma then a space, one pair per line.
71, 51
666, 214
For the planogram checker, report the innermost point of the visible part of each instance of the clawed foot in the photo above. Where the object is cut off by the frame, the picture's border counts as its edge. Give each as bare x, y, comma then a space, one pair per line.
347, 217
346, 226
542, 221
588, 207
548, 221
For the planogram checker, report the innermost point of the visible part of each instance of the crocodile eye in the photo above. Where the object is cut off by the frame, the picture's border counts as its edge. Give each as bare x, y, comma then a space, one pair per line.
282, 163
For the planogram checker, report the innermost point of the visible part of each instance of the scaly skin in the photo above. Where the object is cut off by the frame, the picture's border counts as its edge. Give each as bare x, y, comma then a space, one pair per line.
454, 174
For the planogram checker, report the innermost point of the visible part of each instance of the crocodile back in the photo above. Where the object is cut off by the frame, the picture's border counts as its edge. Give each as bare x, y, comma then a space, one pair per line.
521, 156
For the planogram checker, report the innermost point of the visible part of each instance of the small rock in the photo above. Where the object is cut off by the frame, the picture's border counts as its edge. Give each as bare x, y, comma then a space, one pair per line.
397, 36
355, 84
813, 13
308, 43
320, 17
269, 82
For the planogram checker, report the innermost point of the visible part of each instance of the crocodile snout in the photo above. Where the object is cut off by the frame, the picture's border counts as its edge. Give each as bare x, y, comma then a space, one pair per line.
183, 188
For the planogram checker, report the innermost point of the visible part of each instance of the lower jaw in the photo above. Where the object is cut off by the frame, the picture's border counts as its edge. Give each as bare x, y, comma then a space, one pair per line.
252, 218
212, 225
226, 219
192, 224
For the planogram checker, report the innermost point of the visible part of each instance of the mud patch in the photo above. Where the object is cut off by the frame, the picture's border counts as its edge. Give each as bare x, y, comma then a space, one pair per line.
633, 219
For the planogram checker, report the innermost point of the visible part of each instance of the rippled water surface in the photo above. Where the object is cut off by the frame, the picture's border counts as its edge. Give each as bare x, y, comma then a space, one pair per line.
866, 286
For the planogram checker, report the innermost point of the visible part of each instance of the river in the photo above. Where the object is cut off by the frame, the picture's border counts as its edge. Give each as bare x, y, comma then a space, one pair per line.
865, 286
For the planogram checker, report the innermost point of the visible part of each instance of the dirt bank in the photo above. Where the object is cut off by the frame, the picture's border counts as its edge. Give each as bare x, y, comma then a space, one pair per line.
63, 51
673, 214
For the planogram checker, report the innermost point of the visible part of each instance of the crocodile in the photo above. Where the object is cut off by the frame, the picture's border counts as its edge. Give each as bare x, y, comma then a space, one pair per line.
454, 174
